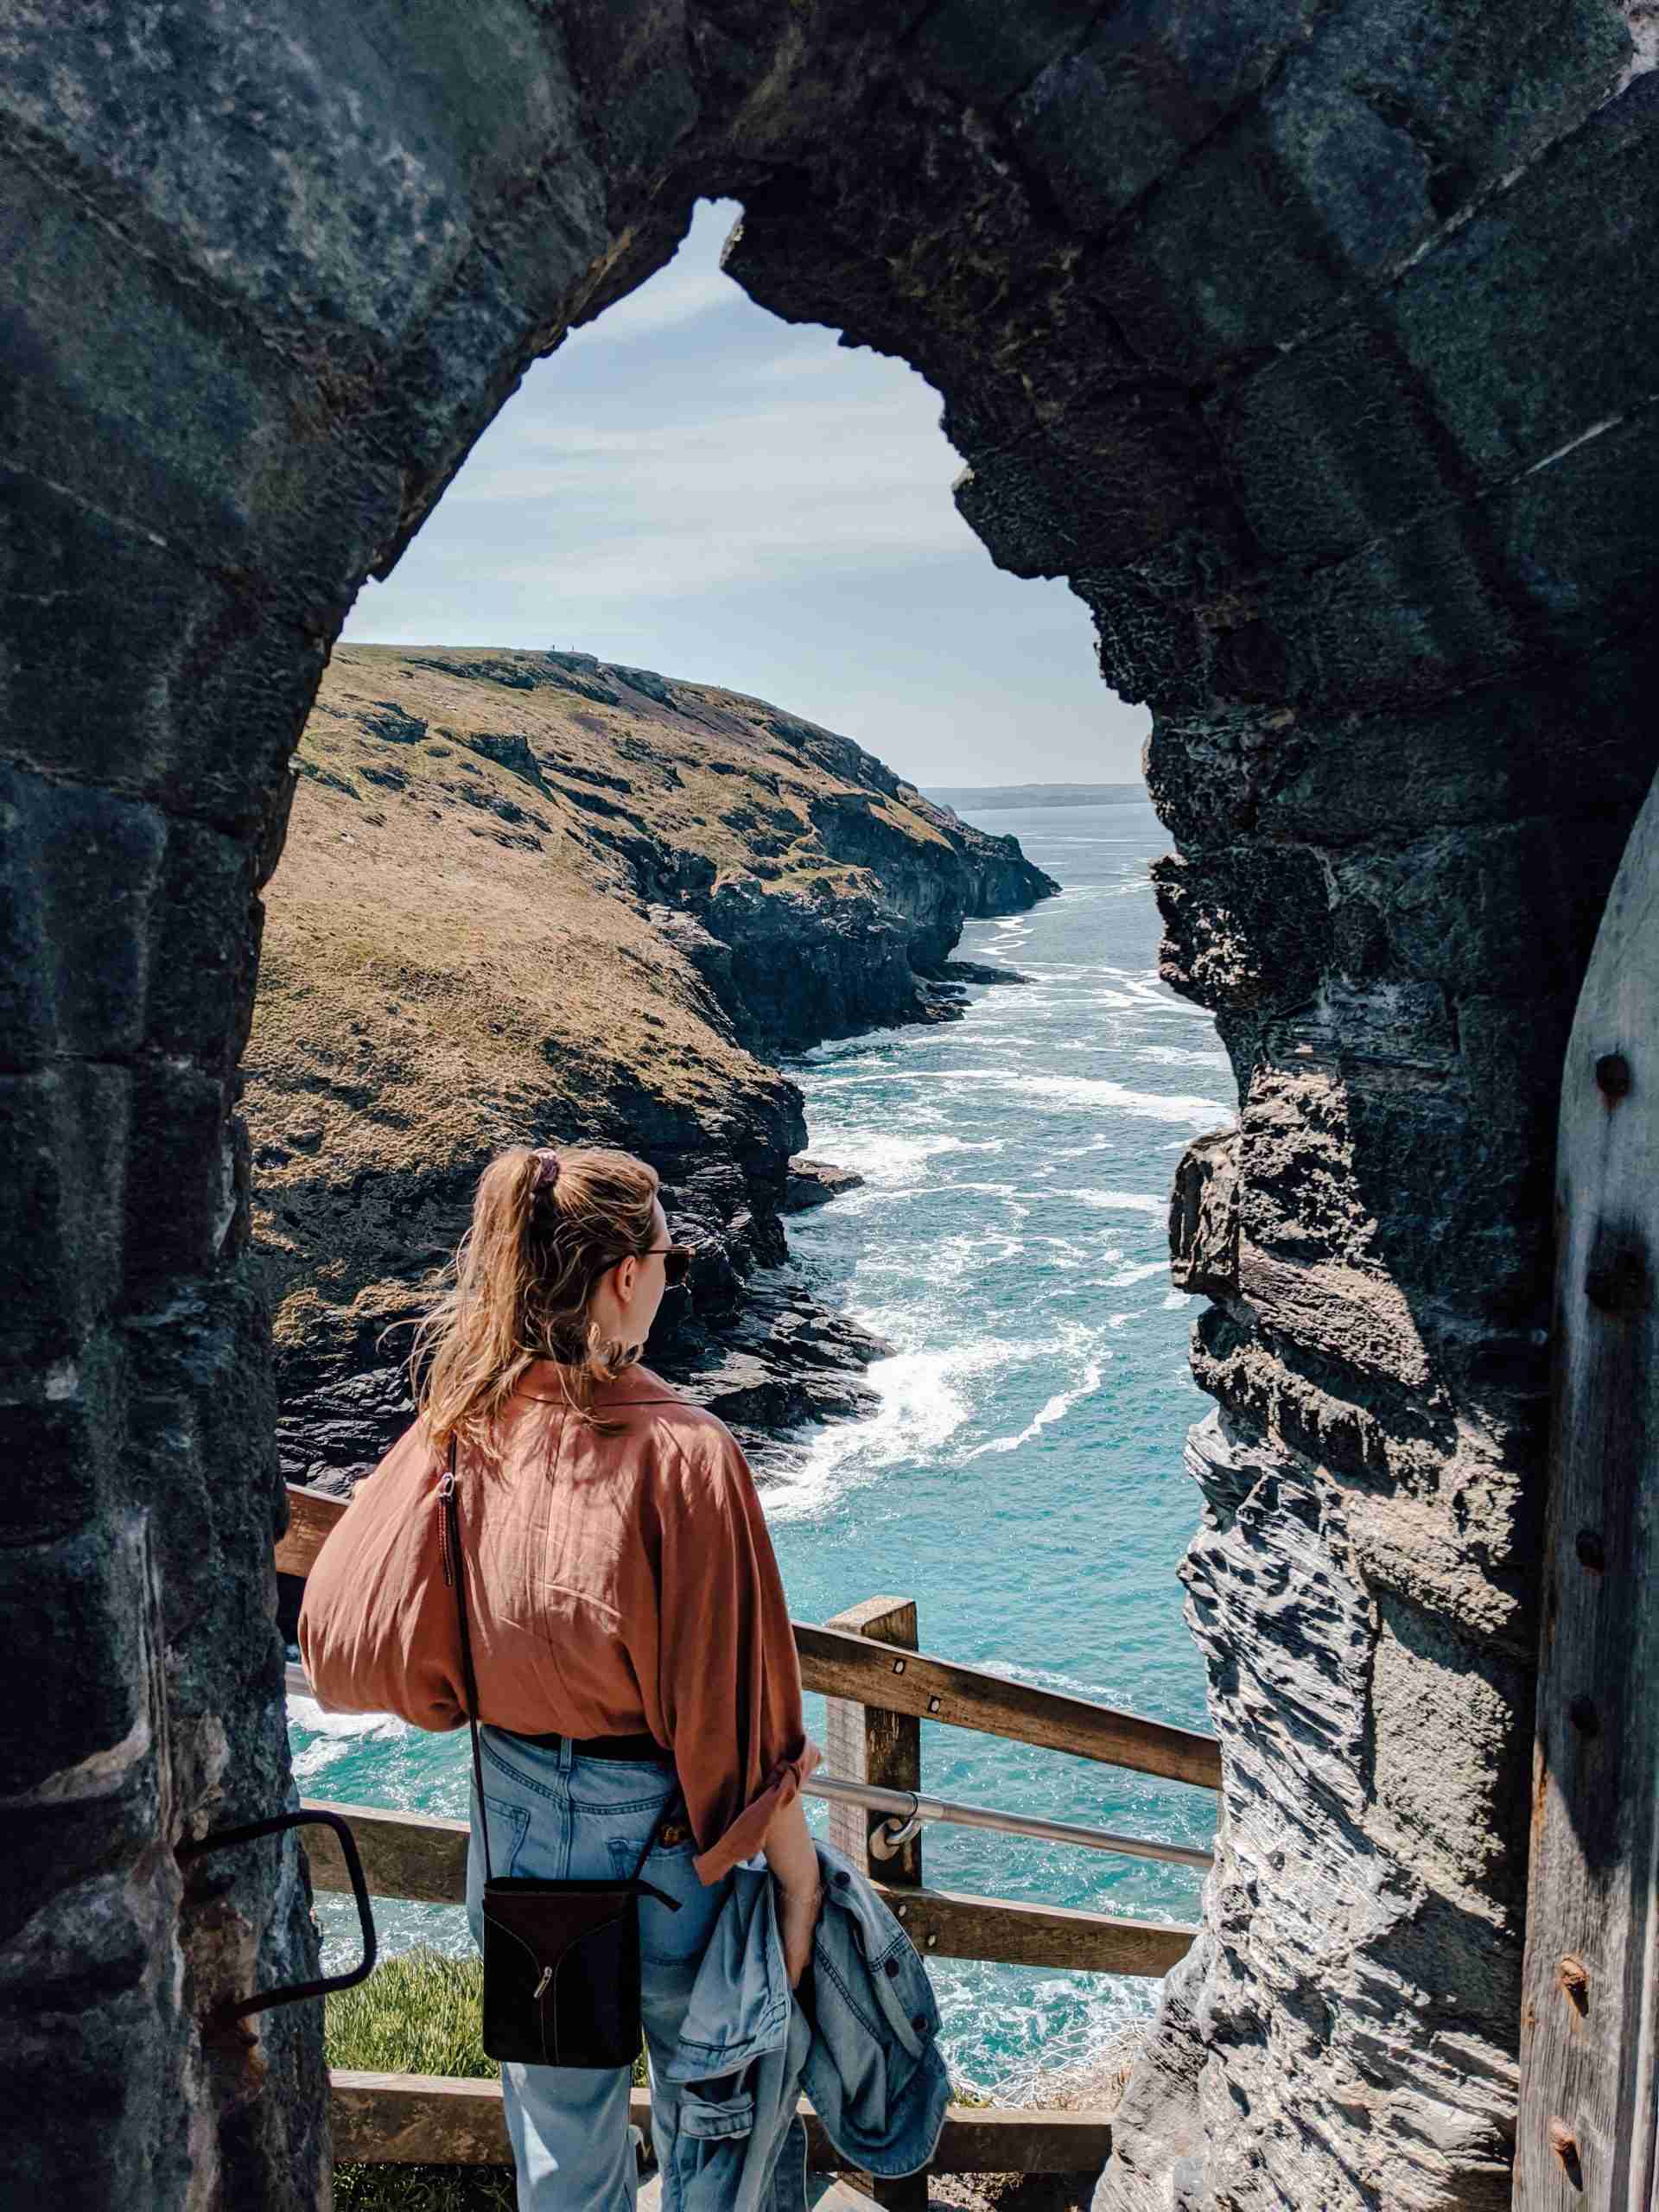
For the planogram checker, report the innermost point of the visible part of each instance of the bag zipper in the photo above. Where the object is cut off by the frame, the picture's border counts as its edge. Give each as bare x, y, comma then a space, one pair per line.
446, 1484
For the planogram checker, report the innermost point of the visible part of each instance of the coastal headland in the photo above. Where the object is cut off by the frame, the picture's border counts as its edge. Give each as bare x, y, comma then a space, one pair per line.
533, 897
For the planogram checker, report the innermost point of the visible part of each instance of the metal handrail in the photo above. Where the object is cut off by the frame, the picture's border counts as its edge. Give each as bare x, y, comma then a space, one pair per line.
911, 1807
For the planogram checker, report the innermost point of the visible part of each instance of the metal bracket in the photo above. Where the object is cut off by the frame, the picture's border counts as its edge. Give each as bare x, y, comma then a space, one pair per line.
890, 1839
278, 1824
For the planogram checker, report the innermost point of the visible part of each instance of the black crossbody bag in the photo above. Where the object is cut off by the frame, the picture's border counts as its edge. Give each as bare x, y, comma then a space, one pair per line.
561, 1959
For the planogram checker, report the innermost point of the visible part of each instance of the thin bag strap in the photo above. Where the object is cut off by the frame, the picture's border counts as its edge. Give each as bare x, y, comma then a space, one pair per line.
455, 1571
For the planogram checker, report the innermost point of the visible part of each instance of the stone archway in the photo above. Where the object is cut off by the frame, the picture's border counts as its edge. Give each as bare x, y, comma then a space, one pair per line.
1311, 341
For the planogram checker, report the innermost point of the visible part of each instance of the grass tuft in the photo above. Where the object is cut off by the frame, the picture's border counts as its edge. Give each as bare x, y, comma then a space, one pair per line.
418, 2013
424, 2189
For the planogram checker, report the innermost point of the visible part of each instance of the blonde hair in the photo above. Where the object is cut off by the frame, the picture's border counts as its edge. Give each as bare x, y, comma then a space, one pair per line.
546, 1226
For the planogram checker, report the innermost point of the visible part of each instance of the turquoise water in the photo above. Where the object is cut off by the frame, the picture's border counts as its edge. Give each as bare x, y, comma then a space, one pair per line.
1022, 1479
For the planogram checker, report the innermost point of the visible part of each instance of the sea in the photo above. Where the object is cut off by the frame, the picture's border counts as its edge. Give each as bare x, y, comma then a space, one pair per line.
1021, 1479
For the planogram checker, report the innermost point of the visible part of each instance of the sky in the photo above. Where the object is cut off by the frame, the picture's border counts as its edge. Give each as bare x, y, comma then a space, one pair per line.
692, 486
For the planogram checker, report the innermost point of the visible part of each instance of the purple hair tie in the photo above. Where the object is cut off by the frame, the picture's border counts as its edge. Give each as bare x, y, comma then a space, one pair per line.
547, 1171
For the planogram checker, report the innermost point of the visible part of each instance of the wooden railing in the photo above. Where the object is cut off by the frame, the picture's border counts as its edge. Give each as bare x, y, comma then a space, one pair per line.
879, 1688
424, 2119
412, 1855
846, 1662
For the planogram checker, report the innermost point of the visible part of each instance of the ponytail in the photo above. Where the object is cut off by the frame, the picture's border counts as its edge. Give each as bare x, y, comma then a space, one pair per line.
546, 1226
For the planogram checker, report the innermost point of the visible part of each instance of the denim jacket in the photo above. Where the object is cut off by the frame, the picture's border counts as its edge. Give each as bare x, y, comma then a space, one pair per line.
860, 2038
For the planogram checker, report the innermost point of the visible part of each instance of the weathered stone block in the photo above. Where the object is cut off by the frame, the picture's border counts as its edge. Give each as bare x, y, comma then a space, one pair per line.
1113, 477
510, 301
80, 872
1368, 1147
63, 1134
1204, 1218
200, 999
1355, 1317
1432, 1684
1224, 259
1576, 540
1393, 116
1373, 133
200, 1452
1359, 1428
60, 1435
1509, 908
1540, 744
1244, 929
339, 219
1151, 80
628, 58
94, 2083
124, 666
1331, 444
1151, 645
78, 1617
190, 432
1515, 363
985, 53
180, 1192
1417, 613
1387, 1034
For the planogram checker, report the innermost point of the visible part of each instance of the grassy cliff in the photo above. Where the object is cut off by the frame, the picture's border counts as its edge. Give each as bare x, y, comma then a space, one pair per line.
533, 897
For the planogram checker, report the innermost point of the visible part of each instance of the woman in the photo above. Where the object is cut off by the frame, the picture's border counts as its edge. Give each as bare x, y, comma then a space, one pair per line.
635, 1664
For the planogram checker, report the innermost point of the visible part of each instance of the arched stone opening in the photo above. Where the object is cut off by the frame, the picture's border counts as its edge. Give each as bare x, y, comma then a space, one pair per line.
1312, 342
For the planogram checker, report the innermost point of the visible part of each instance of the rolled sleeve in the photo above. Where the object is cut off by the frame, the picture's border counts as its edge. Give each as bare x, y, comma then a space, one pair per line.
377, 1628
729, 1681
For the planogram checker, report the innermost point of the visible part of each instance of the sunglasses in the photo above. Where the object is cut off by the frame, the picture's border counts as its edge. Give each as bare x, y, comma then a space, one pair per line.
677, 1262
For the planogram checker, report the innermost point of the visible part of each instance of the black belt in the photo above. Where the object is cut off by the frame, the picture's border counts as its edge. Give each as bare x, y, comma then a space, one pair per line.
601, 1747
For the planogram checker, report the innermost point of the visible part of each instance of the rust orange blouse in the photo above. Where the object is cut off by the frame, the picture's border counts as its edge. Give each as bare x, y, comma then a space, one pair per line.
616, 1585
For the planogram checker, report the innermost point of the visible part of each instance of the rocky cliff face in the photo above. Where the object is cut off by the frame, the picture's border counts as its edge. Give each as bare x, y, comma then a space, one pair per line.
534, 895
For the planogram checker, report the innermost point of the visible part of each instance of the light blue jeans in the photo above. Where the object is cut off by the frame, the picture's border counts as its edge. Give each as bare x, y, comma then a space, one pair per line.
561, 1817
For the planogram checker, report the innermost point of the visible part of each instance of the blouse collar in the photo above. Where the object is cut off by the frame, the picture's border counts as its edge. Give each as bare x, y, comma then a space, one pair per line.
635, 1386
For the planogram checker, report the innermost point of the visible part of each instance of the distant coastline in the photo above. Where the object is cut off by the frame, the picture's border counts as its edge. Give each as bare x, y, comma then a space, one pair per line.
1004, 798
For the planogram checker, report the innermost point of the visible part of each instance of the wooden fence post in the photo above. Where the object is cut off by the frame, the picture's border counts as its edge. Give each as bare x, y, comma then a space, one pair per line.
866, 1743
1588, 2133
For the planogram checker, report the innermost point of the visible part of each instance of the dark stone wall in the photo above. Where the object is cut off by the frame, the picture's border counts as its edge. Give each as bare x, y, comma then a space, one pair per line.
1310, 339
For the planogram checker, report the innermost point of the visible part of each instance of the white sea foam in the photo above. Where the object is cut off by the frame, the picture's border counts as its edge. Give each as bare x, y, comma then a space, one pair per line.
947, 1263
996, 1040
1056, 1409
1178, 1056
926, 1395
1118, 1201
1054, 1678
1055, 2029
1137, 1274
1176, 1298
305, 1712
1072, 1256
1066, 1091
336, 1735
885, 1157
1117, 1320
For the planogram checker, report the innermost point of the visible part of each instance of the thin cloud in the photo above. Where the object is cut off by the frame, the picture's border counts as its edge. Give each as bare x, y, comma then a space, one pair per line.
692, 484
683, 292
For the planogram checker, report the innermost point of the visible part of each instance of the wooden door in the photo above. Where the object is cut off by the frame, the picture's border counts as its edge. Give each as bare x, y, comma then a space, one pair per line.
1588, 2134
